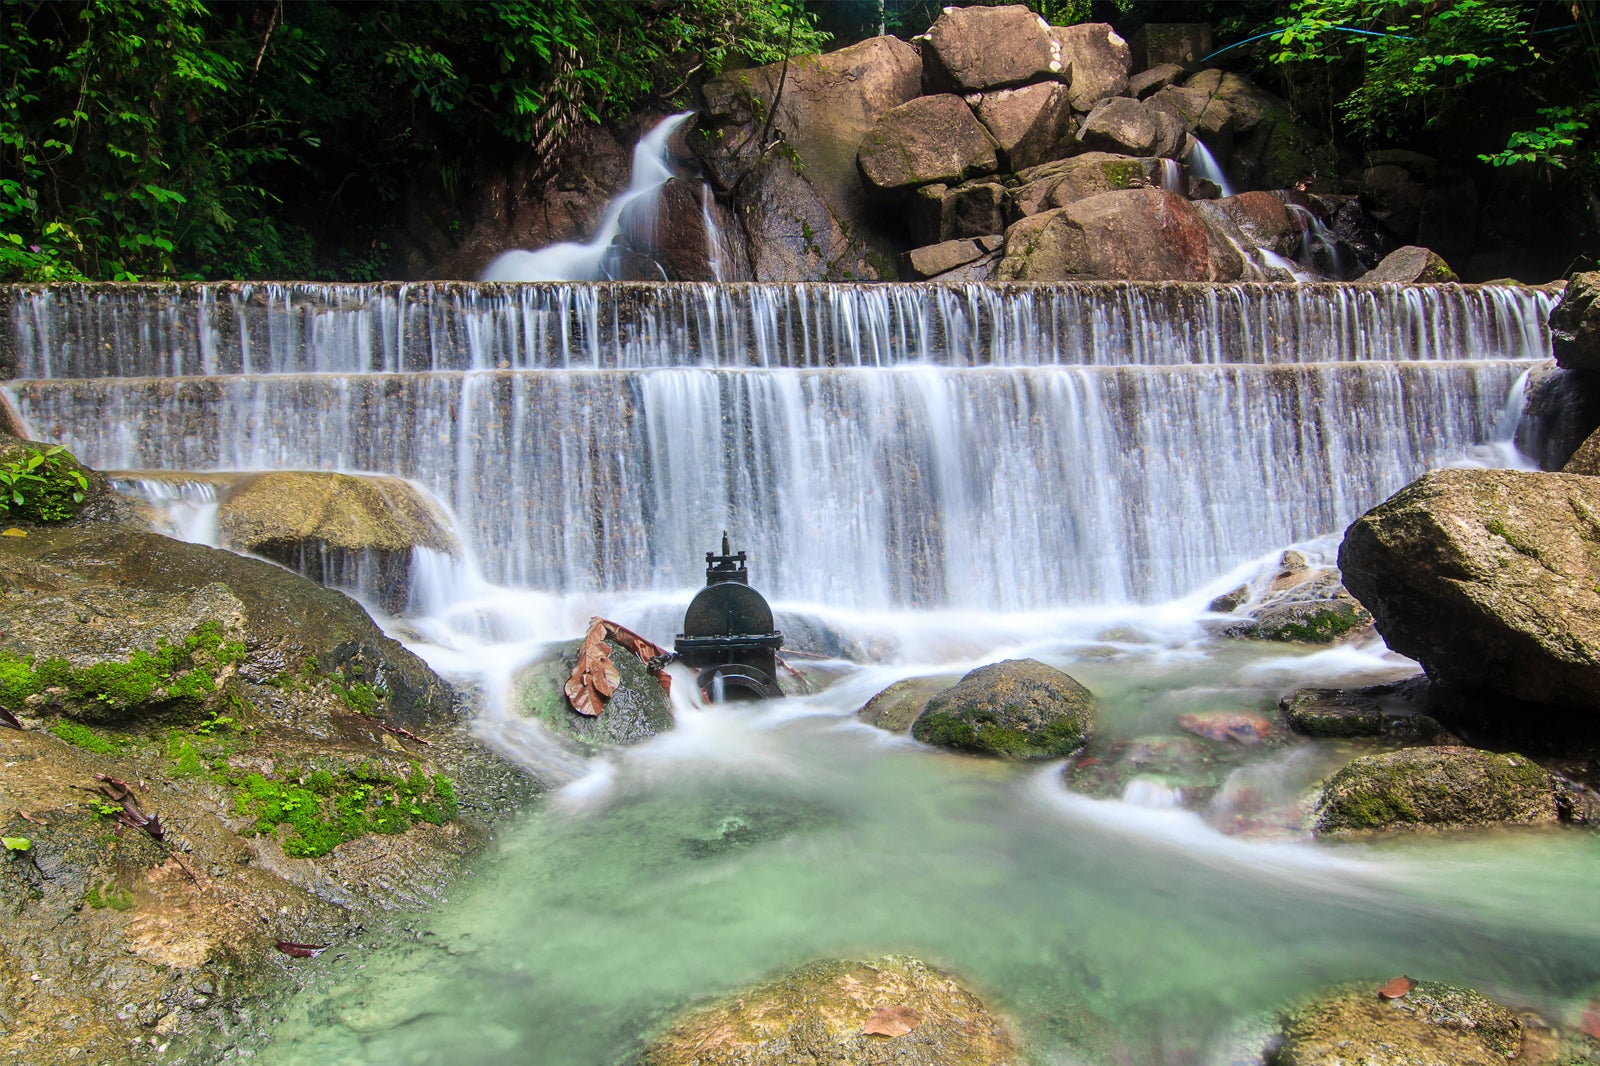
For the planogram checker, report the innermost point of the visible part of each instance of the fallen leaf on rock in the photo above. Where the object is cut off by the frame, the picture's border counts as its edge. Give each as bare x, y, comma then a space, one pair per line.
1397, 987
301, 951
1226, 725
13, 532
1590, 1022
891, 1021
29, 816
9, 719
594, 678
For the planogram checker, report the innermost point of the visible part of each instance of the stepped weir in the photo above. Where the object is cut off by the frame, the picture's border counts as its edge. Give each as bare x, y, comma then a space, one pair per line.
897, 445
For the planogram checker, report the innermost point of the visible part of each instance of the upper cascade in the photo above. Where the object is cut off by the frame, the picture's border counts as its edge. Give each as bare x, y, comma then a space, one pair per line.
88, 331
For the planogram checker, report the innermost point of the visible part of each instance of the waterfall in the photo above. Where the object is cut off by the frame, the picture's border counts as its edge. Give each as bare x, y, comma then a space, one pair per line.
570, 261
879, 446
1205, 165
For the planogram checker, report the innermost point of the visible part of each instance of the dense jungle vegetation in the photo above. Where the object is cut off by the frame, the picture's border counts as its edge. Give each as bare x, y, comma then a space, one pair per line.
255, 139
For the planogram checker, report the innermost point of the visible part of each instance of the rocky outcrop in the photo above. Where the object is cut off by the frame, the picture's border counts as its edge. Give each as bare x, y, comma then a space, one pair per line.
680, 233
1246, 126
938, 213
1140, 234
336, 529
1575, 323
1098, 60
1066, 181
1429, 1025
1486, 577
1435, 787
974, 49
801, 206
894, 1009
1019, 709
638, 710
1410, 265
1127, 127
1029, 125
930, 139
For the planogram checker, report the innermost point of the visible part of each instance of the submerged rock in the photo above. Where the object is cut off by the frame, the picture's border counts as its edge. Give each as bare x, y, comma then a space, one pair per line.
894, 1010
347, 530
1331, 712
1438, 787
1487, 578
899, 705
1431, 1025
1019, 709
638, 710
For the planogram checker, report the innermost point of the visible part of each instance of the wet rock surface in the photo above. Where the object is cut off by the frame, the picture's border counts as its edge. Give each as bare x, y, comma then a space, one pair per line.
1561, 410
1145, 234
895, 1009
1330, 712
1431, 1025
638, 710
1297, 602
1020, 709
898, 706
1575, 323
1449, 787
1486, 577
1410, 265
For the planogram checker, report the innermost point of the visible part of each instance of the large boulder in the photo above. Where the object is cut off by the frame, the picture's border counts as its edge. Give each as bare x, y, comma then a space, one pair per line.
892, 1010
1098, 60
1261, 217
801, 207
937, 259
1487, 578
1030, 125
1019, 709
638, 710
1410, 265
1154, 79
1560, 410
354, 531
972, 49
938, 212
1127, 127
1575, 323
1442, 788
1429, 1025
1138, 235
1066, 181
680, 232
930, 139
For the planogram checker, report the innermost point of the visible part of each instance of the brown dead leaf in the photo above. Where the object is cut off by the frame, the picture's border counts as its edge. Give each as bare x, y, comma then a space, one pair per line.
31, 817
1396, 987
301, 951
1590, 1022
891, 1021
9, 719
594, 677
654, 655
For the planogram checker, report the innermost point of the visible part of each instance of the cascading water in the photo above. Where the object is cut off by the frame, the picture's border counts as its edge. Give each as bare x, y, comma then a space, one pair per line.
570, 261
1205, 165
1036, 470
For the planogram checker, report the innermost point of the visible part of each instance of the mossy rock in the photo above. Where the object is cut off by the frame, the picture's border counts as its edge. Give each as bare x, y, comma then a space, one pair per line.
638, 710
1017, 709
1443, 787
1331, 712
820, 1013
1311, 622
899, 705
1432, 1025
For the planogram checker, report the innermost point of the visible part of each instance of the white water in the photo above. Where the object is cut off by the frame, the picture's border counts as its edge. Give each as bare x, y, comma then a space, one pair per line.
570, 261
1205, 165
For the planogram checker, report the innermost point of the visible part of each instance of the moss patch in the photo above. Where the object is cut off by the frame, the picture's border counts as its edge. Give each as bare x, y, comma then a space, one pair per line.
323, 808
1441, 786
82, 736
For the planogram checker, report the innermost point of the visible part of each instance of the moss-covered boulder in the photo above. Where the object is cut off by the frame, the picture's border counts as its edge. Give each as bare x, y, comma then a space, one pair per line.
638, 710
1017, 709
1431, 1025
899, 705
1331, 712
894, 1010
1435, 787
346, 530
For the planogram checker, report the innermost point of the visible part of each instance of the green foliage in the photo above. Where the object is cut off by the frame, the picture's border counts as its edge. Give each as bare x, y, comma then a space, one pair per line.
17, 845
325, 808
172, 675
359, 697
42, 486
82, 736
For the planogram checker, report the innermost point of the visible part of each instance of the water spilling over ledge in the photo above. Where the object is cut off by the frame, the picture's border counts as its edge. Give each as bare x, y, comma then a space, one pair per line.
274, 328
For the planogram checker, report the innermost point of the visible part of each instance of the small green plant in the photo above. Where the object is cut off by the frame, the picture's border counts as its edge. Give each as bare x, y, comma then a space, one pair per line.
324, 808
43, 486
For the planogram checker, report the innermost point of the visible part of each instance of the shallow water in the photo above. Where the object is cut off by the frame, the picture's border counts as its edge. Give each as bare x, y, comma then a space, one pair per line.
755, 838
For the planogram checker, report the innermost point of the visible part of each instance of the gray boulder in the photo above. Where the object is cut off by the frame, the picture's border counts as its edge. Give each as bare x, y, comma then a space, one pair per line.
937, 212
1442, 788
1098, 60
1487, 578
1030, 125
937, 259
1410, 265
801, 207
1127, 127
1017, 709
1261, 217
1154, 80
1575, 323
1139, 235
930, 139
1066, 181
973, 49
1561, 409
638, 710
891, 1010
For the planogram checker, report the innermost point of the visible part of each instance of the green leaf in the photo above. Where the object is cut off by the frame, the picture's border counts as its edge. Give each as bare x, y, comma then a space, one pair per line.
16, 844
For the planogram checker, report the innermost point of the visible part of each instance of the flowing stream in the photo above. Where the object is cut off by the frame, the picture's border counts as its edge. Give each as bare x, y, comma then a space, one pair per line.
941, 476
